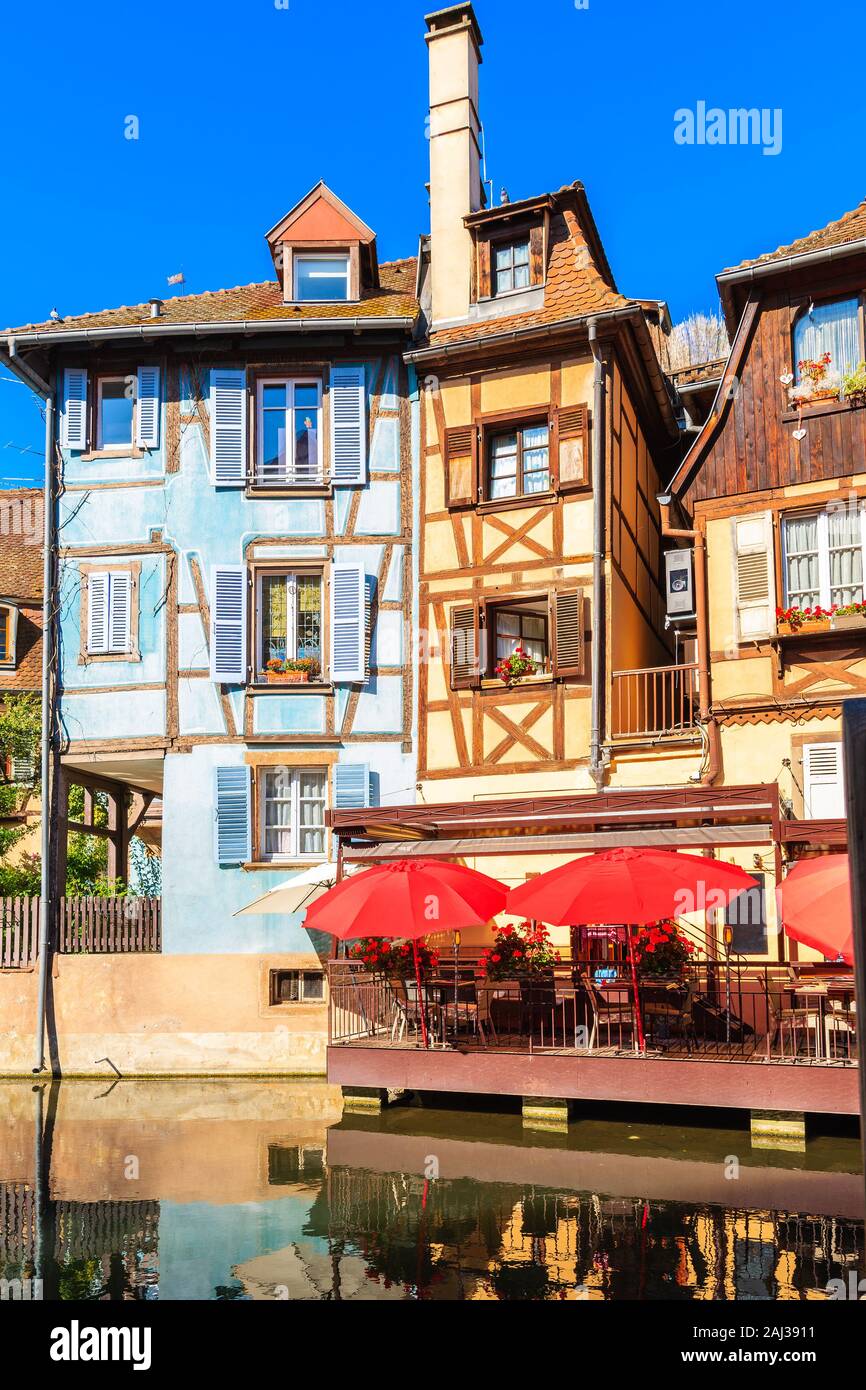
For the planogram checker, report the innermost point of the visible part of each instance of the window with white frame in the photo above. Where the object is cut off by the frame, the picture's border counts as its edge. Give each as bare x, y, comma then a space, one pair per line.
8, 625
832, 328
109, 612
289, 432
511, 266
292, 812
115, 412
289, 624
321, 277
823, 557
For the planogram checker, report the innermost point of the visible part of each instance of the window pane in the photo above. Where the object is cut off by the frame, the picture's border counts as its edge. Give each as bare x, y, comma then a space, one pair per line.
274, 396
309, 618
306, 441
321, 278
275, 616
832, 328
801, 551
311, 790
273, 444
5, 634
536, 472
846, 557
314, 988
504, 257
277, 787
503, 466
533, 627
115, 414
521, 253
521, 277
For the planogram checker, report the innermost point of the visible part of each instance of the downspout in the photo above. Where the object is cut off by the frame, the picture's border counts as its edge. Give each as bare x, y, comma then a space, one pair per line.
699, 540
30, 378
599, 638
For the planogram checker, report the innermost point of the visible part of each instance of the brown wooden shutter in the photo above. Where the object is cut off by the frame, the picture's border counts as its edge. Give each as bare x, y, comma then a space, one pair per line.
536, 255
461, 466
566, 625
484, 277
570, 447
465, 641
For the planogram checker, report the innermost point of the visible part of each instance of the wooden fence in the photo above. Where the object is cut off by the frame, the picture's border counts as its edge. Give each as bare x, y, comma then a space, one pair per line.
92, 926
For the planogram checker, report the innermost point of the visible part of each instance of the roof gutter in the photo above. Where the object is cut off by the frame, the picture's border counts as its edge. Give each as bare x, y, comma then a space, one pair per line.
806, 258
155, 329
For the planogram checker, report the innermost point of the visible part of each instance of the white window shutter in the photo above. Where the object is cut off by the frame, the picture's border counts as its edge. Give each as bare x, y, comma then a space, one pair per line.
823, 781
232, 819
228, 624
351, 785
73, 421
348, 425
119, 611
147, 408
228, 427
754, 576
348, 623
97, 613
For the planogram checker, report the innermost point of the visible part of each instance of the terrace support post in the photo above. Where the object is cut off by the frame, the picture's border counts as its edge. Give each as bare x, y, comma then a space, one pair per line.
364, 1100
118, 840
777, 1129
548, 1115
854, 735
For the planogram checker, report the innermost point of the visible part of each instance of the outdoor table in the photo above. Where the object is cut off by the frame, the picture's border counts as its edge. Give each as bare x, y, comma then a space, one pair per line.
816, 996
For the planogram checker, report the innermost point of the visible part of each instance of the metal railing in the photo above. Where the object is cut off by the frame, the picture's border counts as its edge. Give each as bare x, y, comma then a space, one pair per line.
655, 702
717, 1009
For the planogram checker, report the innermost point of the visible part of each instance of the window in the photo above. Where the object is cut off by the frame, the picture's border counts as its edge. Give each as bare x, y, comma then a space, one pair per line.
292, 813
109, 612
511, 266
115, 408
289, 1163
524, 626
297, 986
289, 432
832, 328
321, 277
823, 781
8, 624
22, 769
518, 462
823, 558
290, 620
747, 915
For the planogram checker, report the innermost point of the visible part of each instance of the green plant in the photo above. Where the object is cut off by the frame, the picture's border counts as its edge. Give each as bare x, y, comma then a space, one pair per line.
394, 959
854, 384
513, 668
21, 726
518, 951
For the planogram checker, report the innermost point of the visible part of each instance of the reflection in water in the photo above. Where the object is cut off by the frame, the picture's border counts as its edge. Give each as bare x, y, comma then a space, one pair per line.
246, 1190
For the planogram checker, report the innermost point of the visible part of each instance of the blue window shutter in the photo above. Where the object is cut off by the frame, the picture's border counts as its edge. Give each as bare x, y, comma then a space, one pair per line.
228, 427
232, 818
348, 623
228, 624
351, 785
348, 425
147, 408
73, 421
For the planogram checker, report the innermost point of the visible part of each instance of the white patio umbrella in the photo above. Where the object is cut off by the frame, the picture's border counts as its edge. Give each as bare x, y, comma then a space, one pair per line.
295, 894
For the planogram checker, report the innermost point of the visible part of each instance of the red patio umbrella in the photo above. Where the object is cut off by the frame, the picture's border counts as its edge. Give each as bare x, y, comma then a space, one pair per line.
409, 899
632, 886
814, 904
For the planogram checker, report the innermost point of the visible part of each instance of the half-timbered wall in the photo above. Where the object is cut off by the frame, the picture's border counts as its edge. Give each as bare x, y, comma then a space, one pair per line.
159, 512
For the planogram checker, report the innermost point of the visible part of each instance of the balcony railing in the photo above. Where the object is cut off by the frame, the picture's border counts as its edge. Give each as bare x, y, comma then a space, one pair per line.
279, 476
655, 702
86, 926
718, 1009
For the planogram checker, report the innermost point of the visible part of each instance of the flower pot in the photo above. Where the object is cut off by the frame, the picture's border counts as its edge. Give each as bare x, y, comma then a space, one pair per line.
288, 677
805, 629
847, 622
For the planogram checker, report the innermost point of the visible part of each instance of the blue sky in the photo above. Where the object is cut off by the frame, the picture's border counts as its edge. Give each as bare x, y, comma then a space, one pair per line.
243, 104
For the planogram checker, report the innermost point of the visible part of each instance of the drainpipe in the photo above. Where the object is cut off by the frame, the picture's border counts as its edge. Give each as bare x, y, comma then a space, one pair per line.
26, 374
599, 642
698, 539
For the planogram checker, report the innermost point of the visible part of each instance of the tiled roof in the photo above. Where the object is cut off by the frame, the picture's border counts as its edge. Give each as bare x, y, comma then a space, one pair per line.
21, 578
574, 286
395, 298
850, 227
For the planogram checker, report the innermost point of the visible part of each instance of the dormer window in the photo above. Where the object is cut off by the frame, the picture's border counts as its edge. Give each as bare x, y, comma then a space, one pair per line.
321, 277
8, 627
511, 265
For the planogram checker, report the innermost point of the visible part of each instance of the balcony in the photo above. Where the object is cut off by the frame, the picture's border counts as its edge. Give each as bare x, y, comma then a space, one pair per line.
655, 703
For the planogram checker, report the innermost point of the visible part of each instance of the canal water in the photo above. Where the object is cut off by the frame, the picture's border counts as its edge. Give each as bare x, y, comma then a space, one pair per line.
267, 1190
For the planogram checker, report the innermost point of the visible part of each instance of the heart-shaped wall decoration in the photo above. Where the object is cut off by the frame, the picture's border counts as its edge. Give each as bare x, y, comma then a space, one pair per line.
799, 434
786, 378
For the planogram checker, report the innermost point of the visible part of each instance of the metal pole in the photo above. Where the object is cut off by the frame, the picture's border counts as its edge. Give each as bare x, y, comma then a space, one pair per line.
47, 730
854, 733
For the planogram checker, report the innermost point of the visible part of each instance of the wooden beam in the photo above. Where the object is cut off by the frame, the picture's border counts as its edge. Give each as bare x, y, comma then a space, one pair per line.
693, 837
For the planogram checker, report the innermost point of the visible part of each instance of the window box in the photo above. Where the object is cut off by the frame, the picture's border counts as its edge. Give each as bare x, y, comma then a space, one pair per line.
848, 622
805, 629
287, 677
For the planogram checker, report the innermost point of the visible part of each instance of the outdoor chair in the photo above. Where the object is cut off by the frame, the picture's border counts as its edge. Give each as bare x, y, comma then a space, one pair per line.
615, 1012
797, 1022
538, 1005
668, 1010
840, 1023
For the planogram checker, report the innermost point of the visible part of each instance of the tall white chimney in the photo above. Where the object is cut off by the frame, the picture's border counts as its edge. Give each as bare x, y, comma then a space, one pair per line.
456, 189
